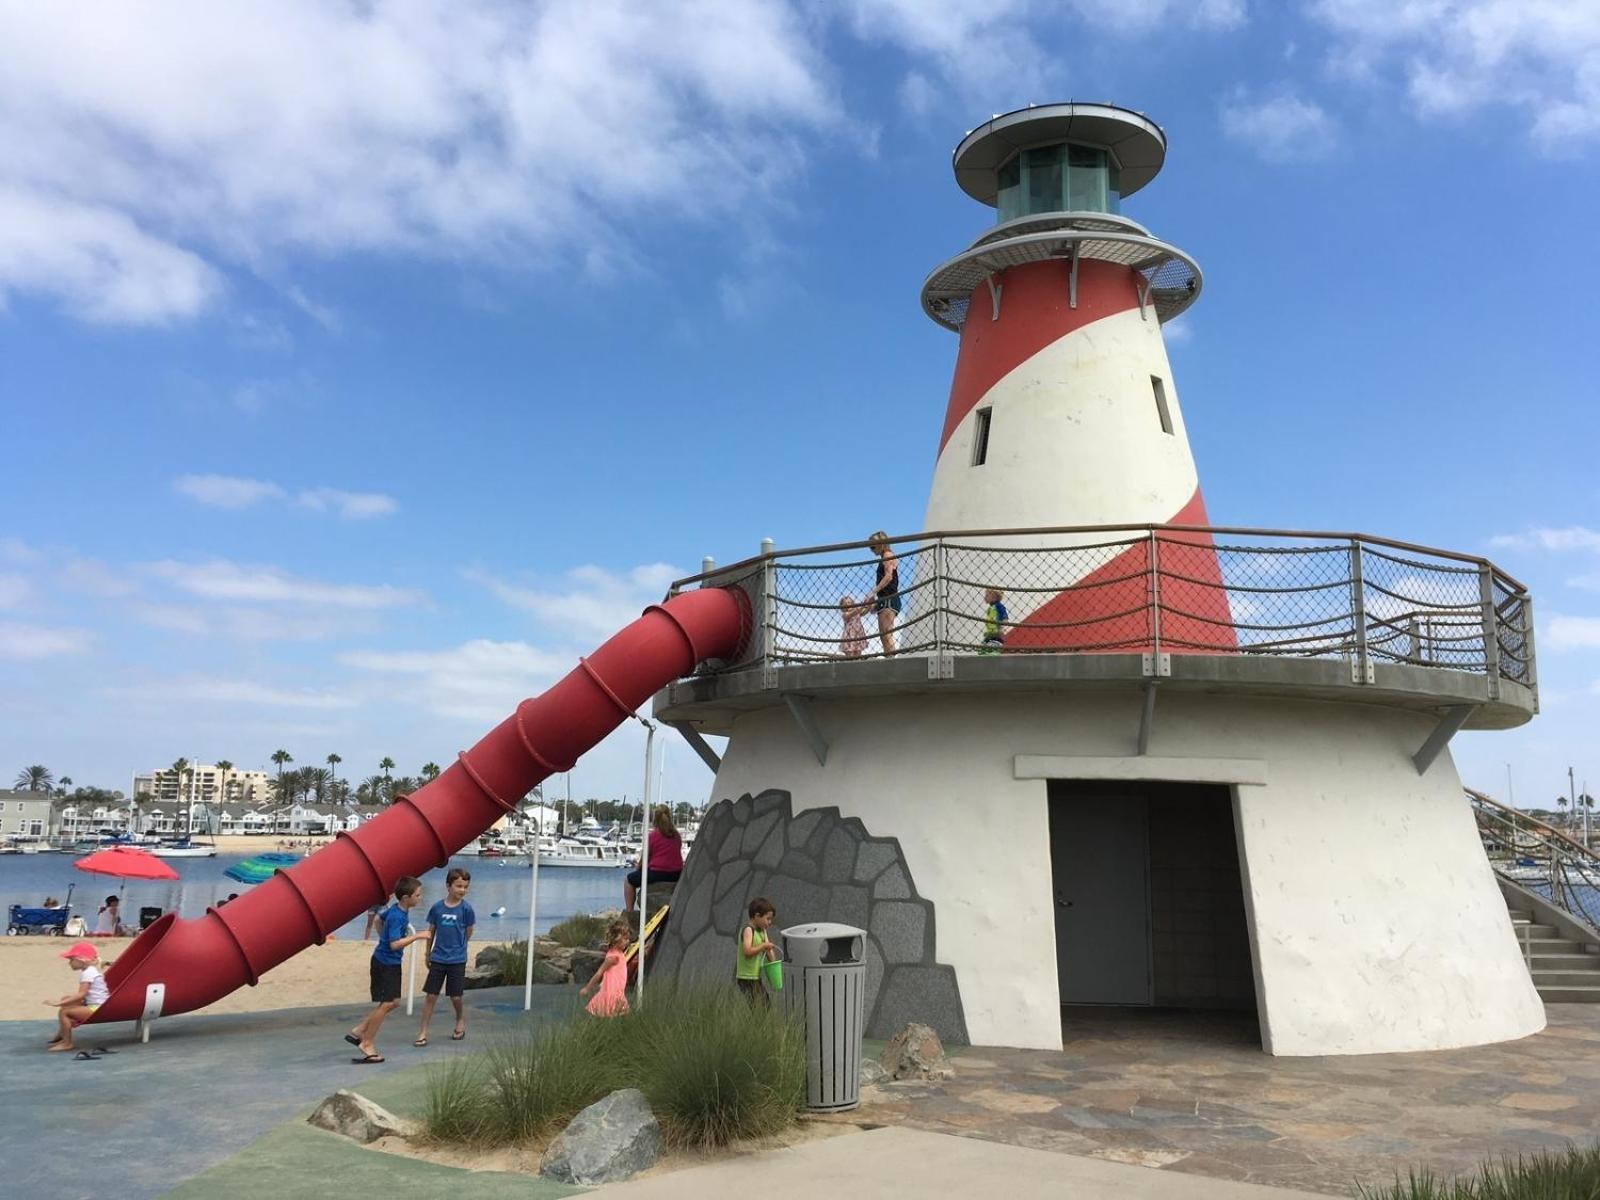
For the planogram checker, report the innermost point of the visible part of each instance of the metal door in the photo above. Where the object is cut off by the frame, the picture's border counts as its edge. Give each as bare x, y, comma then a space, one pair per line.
1100, 862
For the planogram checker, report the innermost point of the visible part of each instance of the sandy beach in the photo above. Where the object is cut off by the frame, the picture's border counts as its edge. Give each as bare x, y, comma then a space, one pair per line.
333, 973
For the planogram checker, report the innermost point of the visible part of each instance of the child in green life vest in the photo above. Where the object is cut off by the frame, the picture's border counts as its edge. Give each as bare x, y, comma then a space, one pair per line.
755, 948
994, 619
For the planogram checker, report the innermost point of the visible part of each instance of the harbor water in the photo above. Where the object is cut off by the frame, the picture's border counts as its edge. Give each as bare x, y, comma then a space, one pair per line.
496, 883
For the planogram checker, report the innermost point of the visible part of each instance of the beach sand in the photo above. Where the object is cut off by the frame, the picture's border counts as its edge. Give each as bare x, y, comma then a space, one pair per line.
333, 973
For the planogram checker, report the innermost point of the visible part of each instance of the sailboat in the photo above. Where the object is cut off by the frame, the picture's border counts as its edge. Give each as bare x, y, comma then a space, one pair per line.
186, 845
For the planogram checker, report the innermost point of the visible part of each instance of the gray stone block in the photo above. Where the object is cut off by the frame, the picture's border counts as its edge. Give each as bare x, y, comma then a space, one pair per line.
901, 929
797, 864
839, 856
358, 1118
928, 995
875, 969
756, 832
819, 835
874, 858
802, 826
740, 809
729, 875
892, 885
771, 852
693, 913
709, 959
797, 901
730, 911
773, 800
849, 906
611, 1140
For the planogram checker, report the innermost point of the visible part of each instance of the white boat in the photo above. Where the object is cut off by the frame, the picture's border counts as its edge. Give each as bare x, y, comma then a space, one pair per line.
570, 852
184, 848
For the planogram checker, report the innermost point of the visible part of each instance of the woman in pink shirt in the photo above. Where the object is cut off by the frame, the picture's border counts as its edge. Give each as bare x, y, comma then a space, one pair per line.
665, 847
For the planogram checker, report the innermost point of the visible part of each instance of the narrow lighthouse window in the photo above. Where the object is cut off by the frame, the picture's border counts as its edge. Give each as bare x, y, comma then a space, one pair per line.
980, 436
1162, 412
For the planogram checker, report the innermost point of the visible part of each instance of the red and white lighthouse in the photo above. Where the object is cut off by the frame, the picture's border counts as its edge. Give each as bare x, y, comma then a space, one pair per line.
1063, 410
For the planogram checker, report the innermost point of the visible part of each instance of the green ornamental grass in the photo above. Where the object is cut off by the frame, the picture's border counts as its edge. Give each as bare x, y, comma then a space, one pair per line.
713, 1068
1571, 1174
580, 931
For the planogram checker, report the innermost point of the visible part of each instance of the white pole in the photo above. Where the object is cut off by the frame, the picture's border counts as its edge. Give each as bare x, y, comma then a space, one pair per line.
644, 855
533, 917
411, 977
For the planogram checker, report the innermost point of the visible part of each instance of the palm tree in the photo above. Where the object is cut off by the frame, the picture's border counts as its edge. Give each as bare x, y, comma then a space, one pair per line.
371, 790
430, 771
386, 766
63, 784
281, 757
224, 768
179, 769
402, 786
39, 779
317, 782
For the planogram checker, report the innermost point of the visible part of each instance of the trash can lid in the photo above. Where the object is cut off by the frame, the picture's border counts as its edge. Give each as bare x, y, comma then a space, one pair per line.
822, 929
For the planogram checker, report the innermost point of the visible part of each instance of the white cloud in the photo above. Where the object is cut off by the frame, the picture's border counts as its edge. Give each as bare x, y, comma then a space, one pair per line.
353, 506
226, 491
220, 579
1571, 537
15, 550
176, 138
16, 591
1178, 332
95, 579
1456, 57
594, 604
479, 680
1571, 633
24, 641
201, 689
1283, 128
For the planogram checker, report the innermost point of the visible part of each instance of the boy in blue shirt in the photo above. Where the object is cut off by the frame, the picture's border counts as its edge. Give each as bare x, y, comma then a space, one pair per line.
994, 622
385, 970
451, 921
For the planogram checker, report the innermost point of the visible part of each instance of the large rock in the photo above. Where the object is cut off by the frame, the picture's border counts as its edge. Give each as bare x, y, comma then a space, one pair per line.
358, 1118
489, 958
483, 977
915, 1053
585, 963
611, 1140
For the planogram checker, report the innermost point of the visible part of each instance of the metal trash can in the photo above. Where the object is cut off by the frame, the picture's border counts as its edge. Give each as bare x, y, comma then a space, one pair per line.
827, 978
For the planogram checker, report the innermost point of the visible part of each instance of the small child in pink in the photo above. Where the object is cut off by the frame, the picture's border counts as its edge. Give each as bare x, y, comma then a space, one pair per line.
854, 635
612, 977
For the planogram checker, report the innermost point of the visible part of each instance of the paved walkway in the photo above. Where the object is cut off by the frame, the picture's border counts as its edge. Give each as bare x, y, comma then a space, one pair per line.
136, 1122
887, 1163
1193, 1093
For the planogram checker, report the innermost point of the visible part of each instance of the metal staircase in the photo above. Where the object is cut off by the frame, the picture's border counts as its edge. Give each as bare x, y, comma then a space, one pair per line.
1552, 888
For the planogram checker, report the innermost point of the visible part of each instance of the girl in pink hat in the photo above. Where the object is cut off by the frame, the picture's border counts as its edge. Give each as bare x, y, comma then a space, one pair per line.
92, 992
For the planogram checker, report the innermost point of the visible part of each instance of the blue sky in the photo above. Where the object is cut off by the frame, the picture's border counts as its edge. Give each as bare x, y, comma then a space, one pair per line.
360, 365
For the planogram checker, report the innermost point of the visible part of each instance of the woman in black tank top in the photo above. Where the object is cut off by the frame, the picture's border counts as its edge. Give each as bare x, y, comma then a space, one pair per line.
885, 594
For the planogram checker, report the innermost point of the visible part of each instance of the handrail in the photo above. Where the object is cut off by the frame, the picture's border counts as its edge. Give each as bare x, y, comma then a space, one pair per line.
1148, 589
1533, 854
745, 564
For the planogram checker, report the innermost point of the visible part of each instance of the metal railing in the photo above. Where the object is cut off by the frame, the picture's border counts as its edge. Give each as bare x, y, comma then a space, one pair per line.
1540, 857
1143, 589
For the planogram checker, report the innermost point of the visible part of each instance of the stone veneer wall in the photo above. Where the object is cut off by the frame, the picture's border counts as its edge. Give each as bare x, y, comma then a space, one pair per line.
813, 867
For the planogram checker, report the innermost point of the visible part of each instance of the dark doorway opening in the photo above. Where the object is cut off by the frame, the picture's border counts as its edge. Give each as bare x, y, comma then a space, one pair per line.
1149, 902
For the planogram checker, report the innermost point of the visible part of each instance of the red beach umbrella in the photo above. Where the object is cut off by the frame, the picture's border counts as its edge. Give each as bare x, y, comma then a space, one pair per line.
125, 862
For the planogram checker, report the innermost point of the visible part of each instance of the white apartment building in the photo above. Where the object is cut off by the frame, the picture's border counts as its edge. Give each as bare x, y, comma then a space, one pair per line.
24, 813
203, 784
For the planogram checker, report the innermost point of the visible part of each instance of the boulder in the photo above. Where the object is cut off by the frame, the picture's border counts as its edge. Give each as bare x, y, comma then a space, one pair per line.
585, 963
556, 954
354, 1116
483, 977
872, 1071
546, 971
915, 1053
490, 957
611, 1140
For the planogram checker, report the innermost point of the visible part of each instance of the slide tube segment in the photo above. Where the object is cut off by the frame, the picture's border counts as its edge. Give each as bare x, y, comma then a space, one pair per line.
199, 960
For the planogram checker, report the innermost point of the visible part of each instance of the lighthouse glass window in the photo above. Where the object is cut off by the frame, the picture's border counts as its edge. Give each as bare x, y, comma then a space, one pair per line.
1059, 178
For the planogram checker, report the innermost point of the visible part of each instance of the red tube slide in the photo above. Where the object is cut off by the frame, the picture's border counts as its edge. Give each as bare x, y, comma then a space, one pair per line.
200, 960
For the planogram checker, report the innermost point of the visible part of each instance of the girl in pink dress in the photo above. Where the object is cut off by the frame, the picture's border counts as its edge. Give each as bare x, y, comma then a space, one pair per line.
612, 977
854, 636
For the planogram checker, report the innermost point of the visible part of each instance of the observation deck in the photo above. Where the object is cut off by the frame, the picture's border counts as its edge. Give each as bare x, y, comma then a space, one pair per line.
1343, 617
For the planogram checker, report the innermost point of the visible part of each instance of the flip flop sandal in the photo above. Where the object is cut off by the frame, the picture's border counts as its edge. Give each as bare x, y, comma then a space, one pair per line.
104, 1050
85, 1056
420, 1042
371, 1058
457, 1035
352, 1039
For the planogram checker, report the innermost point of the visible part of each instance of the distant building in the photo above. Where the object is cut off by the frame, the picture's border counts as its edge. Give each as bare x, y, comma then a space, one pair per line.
203, 782
78, 818
25, 813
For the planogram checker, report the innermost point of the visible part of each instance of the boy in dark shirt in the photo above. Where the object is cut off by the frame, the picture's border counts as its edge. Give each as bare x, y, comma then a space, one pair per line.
385, 970
451, 921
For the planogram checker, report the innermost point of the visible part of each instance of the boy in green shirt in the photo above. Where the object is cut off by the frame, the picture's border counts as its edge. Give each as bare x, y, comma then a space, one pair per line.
755, 947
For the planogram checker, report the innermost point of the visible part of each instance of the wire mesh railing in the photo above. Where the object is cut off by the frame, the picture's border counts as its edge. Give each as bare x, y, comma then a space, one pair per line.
1135, 589
1541, 858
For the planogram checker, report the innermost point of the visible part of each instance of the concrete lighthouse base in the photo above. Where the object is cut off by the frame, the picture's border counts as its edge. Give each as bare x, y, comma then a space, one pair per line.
1355, 901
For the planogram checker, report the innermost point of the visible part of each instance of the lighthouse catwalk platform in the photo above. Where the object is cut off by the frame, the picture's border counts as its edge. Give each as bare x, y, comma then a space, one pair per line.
1191, 766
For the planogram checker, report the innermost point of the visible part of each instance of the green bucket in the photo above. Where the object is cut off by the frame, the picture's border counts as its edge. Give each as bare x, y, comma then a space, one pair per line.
773, 970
